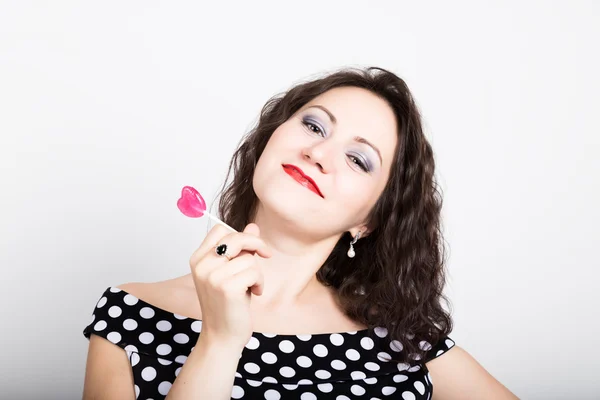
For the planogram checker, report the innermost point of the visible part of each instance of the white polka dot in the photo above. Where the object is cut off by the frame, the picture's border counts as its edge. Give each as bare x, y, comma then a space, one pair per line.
253, 383
272, 394
252, 368
163, 349
371, 381
181, 338
269, 335
177, 371
381, 332
322, 374
237, 392
358, 375
147, 313
383, 356
325, 387
130, 324
137, 390
304, 361
320, 350
424, 345
148, 374
163, 326
115, 311
420, 387
415, 368
130, 300
181, 317
429, 377
305, 382
342, 397
387, 390
100, 326
269, 358
336, 339
197, 326
164, 362
134, 359
400, 378
371, 366
131, 348
180, 359
101, 302
290, 387
253, 343
402, 366
352, 354
286, 346
357, 390
439, 353
146, 338
396, 346
449, 343
408, 396
114, 337
304, 338
269, 379
288, 372
337, 364
367, 343
115, 290
92, 319
308, 396
164, 388
352, 332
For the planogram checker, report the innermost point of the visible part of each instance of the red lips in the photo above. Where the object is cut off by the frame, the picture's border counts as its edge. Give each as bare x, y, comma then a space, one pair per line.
302, 178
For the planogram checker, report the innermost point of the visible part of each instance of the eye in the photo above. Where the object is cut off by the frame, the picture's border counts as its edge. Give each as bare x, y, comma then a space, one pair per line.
356, 160
314, 128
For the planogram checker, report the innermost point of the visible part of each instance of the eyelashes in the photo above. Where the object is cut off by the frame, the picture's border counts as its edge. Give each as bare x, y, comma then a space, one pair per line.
315, 128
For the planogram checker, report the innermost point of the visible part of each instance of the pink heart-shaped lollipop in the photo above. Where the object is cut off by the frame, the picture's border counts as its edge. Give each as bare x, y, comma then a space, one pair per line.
191, 203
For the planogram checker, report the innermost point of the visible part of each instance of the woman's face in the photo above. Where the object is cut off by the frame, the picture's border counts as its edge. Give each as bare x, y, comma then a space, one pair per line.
344, 140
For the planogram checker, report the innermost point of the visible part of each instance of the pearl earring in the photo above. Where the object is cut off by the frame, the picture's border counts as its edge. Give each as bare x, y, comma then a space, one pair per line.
351, 253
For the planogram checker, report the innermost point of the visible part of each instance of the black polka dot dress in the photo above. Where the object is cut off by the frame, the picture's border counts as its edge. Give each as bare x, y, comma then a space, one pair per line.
340, 366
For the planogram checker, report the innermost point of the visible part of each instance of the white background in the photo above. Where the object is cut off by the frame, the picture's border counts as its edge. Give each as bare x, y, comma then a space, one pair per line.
108, 108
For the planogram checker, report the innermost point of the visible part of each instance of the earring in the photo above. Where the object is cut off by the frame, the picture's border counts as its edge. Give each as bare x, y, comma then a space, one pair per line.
351, 253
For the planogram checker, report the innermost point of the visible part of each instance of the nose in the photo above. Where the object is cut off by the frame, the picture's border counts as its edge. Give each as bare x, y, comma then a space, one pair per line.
316, 155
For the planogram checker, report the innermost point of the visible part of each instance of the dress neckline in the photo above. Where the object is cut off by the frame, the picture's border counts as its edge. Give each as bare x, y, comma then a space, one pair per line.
180, 317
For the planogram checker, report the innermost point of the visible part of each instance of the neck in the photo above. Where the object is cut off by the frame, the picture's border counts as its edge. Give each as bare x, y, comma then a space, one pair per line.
290, 274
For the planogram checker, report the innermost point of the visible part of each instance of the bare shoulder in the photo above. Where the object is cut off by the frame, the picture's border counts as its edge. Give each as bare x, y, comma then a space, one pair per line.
175, 295
457, 375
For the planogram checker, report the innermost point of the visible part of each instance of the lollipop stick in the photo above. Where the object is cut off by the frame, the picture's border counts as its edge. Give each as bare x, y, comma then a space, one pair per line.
218, 221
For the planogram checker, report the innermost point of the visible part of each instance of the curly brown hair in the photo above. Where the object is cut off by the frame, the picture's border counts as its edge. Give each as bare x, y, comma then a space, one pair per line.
396, 279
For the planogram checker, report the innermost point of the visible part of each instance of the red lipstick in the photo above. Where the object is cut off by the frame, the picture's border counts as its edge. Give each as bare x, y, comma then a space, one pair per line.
302, 178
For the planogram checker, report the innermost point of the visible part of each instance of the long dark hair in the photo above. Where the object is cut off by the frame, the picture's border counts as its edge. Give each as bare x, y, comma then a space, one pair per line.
396, 279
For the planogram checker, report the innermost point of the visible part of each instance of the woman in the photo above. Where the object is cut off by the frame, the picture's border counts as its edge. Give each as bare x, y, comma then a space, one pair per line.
332, 288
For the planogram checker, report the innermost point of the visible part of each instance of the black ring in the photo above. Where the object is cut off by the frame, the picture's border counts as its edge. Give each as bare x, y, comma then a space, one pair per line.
221, 250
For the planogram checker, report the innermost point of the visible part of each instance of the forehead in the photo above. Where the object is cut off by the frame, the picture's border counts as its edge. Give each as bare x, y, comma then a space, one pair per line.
360, 112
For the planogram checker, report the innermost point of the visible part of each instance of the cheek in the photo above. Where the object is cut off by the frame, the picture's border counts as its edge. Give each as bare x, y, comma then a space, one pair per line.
354, 194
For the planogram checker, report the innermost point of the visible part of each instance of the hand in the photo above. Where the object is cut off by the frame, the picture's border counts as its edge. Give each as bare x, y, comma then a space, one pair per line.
224, 287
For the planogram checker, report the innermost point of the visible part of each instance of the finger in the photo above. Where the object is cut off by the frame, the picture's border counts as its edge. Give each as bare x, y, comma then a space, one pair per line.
249, 278
237, 242
216, 233
231, 268
252, 229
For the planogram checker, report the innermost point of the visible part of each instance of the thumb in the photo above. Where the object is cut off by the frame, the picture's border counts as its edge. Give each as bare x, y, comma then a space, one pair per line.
252, 229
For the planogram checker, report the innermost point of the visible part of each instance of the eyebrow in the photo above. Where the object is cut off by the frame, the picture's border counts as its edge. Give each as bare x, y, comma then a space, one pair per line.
356, 138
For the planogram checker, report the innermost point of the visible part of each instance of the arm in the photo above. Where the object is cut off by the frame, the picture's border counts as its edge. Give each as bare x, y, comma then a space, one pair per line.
456, 375
108, 372
208, 373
